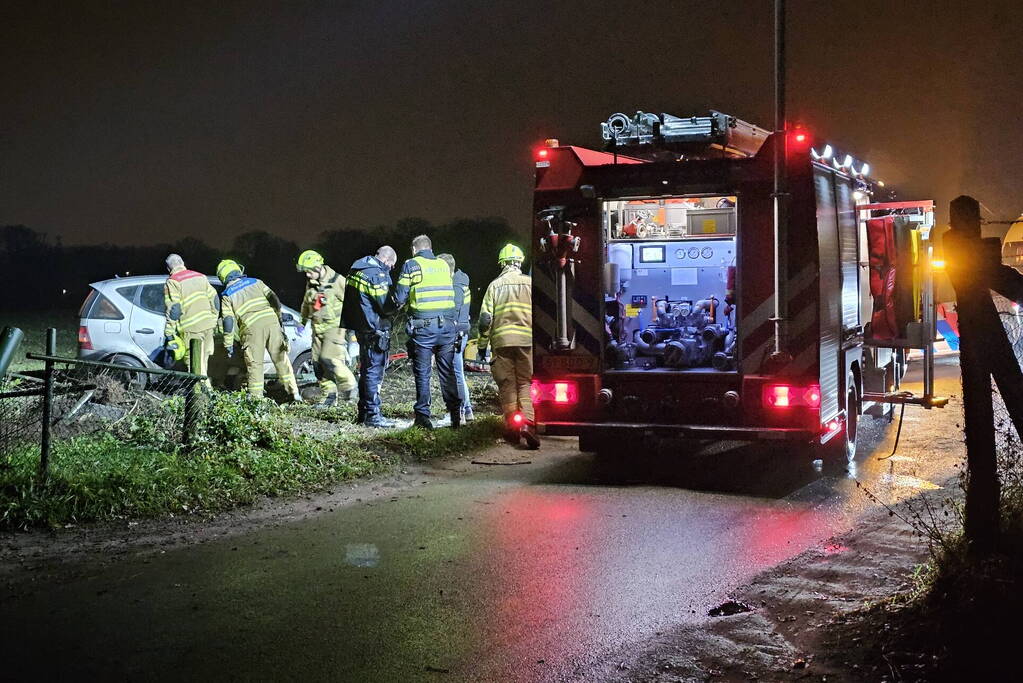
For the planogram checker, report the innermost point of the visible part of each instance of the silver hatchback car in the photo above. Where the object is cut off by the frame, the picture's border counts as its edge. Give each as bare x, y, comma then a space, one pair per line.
122, 321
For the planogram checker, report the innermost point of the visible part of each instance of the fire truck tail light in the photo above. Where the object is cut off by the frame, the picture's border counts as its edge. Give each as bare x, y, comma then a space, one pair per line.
778, 395
517, 419
563, 393
788, 396
812, 397
543, 153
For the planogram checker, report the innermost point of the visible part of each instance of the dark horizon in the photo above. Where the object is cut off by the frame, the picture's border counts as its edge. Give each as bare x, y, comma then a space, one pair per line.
141, 124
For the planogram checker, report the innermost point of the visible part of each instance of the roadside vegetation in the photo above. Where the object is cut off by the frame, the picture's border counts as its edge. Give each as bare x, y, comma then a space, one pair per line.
959, 619
243, 449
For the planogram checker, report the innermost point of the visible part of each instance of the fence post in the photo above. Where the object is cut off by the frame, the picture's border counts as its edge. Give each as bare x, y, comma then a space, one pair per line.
9, 341
44, 442
978, 325
192, 395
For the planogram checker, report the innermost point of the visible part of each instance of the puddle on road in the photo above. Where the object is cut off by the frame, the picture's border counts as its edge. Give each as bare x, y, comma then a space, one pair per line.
907, 482
362, 555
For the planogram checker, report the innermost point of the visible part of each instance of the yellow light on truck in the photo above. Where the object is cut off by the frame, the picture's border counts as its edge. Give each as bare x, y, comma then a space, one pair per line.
938, 264
551, 142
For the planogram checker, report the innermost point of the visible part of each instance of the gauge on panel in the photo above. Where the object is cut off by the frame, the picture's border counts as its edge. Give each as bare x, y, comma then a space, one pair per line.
694, 252
707, 252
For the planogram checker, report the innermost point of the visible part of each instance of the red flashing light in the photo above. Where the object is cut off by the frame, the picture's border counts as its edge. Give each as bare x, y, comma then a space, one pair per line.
800, 137
560, 392
84, 341
517, 419
543, 153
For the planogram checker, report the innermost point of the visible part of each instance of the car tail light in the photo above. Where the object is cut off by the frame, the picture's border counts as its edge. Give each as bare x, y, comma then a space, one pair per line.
84, 342
782, 396
561, 392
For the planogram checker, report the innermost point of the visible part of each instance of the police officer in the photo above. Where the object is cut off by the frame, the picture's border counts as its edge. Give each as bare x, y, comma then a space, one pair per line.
322, 304
425, 286
506, 323
366, 292
190, 311
251, 310
463, 299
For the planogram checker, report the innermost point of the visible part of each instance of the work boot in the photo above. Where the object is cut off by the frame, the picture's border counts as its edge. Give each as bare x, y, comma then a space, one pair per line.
456, 419
328, 401
512, 436
528, 433
422, 421
379, 422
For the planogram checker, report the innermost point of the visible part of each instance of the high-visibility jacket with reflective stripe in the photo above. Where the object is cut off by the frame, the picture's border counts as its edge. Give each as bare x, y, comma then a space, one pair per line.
245, 304
366, 290
506, 316
189, 302
425, 284
463, 300
323, 301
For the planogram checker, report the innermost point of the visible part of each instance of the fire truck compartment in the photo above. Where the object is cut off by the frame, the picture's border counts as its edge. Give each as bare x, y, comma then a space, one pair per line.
668, 278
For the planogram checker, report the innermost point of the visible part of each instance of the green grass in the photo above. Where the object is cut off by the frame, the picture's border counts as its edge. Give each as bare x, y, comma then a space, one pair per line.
246, 448
34, 326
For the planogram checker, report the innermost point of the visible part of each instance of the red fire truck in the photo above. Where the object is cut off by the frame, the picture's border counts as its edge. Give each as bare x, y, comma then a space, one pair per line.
654, 288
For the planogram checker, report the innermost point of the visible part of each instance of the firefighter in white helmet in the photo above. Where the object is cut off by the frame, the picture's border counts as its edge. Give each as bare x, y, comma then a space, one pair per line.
506, 324
191, 313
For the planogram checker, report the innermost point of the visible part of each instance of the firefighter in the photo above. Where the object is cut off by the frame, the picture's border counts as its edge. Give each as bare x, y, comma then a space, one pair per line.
463, 299
190, 312
322, 304
506, 322
251, 310
364, 312
426, 287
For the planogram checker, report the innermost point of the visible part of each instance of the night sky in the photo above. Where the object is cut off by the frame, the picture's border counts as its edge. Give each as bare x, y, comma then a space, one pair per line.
142, 122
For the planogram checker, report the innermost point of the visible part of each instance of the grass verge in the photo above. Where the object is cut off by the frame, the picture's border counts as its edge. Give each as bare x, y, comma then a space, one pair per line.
245, 448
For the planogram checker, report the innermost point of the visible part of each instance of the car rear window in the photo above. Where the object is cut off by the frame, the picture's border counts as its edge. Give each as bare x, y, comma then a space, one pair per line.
151, 299
128, 292
98, 307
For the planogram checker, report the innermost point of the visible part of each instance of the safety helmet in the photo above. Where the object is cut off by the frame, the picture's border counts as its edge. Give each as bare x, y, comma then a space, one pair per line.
226, 267
308, 260
509, 254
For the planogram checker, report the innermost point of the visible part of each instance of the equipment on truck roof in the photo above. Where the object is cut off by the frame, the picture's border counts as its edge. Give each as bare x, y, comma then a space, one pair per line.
716, 133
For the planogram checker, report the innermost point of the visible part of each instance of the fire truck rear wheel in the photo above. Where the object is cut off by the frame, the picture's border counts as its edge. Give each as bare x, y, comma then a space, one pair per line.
837, 454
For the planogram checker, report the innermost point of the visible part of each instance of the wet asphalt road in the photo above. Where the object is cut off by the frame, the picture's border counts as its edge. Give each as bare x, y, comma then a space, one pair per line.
491, 573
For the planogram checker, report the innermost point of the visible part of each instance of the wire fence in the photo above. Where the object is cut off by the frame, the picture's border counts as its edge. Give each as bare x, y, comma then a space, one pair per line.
76, 399
1009, 445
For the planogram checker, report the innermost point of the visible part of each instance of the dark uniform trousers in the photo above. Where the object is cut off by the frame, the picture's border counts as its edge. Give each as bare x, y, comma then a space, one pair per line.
372, 360
433, 339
